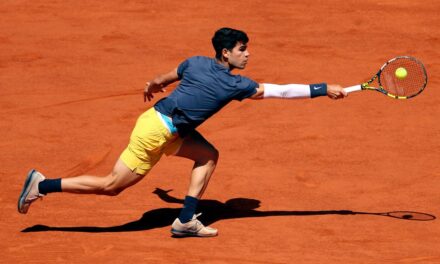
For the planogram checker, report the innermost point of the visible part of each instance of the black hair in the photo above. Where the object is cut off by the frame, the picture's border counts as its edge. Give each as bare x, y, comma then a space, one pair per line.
227, 38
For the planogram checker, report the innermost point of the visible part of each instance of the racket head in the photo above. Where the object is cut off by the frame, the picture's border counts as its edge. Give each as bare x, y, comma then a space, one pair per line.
409, 215
402, 88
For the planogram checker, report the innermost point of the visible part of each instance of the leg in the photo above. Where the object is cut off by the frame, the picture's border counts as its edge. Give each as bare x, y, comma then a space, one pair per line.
142, 153
112, 184
195, 147
205, 157
119, 179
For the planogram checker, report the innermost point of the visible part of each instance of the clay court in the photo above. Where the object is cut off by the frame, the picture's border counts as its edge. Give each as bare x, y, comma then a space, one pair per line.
298, 181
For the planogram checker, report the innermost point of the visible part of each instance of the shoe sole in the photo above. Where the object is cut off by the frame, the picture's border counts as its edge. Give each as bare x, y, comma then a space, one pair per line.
26, 190
189, 234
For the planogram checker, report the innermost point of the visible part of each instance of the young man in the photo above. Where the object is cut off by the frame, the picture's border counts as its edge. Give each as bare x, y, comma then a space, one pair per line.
206, 85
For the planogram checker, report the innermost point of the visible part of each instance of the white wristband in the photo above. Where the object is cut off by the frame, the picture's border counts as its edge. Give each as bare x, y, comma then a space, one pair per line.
288, 91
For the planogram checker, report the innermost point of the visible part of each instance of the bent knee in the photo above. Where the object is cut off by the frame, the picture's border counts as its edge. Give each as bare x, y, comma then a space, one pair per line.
111, 187
215, 155
210, 157
111, 191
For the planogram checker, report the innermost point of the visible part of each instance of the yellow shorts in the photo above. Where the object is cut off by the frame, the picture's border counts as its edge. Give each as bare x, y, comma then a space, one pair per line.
148, 141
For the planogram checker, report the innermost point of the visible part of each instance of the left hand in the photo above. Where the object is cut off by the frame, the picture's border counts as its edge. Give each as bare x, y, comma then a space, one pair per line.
335, 91
150, 88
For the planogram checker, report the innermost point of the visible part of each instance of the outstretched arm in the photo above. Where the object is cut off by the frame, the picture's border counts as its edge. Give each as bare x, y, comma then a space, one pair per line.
159, 83
294, 91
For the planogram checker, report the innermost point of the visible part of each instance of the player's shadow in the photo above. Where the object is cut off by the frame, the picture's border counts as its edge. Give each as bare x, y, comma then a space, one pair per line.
213, 211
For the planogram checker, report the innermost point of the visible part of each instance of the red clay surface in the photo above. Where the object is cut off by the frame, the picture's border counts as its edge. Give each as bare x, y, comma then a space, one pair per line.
71, 80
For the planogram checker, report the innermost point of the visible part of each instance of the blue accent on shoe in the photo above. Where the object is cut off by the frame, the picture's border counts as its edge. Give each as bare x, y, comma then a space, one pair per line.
26, 189
182, 233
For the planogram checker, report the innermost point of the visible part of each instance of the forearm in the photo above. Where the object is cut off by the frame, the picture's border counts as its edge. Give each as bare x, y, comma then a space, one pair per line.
294, 91
162, 80
159, 83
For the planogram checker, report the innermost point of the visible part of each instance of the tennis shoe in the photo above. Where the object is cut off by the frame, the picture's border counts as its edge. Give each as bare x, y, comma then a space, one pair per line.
30, 191
193, 228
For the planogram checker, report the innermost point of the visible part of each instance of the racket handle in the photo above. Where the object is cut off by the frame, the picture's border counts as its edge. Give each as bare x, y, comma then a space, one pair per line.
354, 88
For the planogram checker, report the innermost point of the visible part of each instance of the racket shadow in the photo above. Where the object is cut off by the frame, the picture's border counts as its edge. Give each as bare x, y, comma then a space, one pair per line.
214, 211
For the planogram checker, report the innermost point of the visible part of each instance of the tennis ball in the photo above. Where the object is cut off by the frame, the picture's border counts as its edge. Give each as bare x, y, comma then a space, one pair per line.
401, 73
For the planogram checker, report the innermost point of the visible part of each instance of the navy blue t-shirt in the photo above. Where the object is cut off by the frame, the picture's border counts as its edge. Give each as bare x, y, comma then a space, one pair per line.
205, 87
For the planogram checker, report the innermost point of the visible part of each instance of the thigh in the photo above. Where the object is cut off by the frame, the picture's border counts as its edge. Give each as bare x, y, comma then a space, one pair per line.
146, 144
123, 176
196, 147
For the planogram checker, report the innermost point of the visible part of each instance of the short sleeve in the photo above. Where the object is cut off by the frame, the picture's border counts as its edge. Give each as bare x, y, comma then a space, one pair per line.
181, 69
248, 88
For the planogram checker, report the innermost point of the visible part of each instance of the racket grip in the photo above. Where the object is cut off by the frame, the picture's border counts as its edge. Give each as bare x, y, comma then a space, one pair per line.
354, 88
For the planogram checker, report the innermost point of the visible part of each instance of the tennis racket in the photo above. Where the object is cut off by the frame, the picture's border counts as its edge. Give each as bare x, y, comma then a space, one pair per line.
404, 215
399, 86
407, 215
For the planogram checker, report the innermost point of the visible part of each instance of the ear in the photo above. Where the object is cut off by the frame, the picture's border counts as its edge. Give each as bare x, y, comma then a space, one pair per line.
226, 53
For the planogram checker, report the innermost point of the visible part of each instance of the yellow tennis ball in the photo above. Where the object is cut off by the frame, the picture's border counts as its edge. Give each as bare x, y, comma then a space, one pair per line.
401, 73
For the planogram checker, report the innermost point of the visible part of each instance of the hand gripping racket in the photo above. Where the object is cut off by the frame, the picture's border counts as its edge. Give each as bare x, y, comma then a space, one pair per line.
401, 78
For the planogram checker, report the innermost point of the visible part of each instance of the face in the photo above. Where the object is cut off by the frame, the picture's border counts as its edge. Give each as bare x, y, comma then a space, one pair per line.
238, 56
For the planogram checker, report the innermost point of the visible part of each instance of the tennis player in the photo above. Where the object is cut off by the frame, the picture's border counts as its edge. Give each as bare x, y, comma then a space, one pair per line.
206, 86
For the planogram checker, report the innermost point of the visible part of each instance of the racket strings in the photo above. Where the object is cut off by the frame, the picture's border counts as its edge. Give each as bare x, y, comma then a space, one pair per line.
408, 86
407, 215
